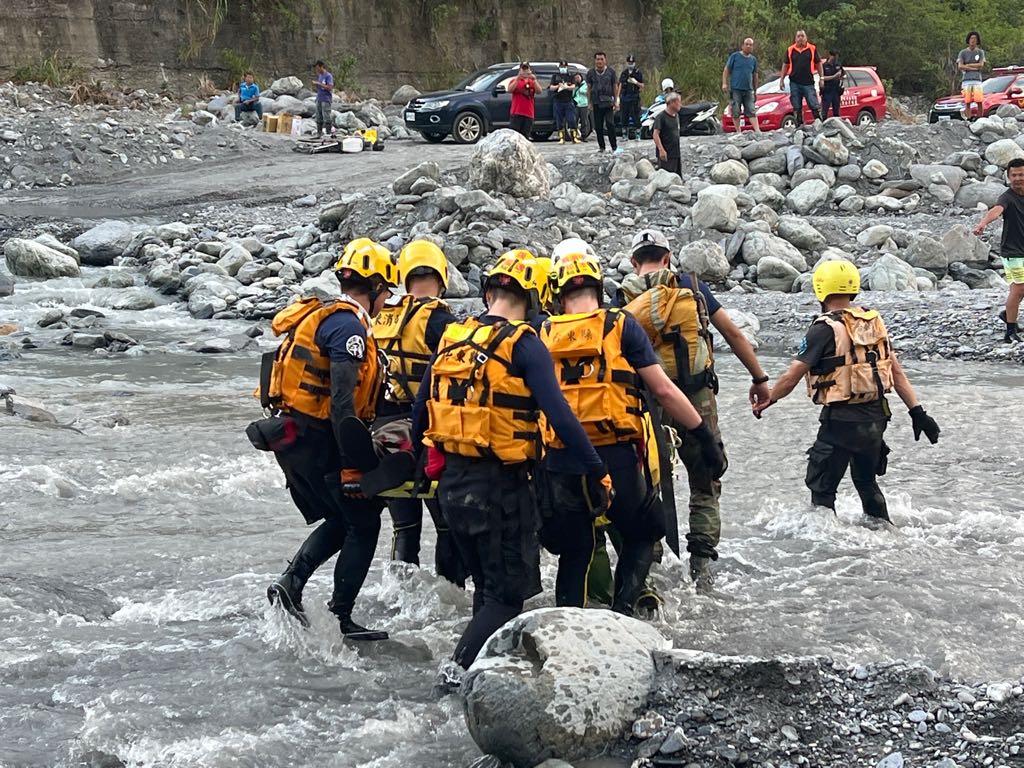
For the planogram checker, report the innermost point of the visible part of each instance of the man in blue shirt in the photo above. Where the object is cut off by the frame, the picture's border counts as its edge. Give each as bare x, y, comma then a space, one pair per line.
248, 98
739, 79
324, 85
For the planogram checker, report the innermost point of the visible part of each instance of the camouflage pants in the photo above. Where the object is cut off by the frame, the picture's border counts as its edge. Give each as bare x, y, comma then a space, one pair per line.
705, 492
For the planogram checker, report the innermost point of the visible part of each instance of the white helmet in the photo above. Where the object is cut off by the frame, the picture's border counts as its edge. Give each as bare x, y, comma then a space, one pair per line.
667, 83
572, 245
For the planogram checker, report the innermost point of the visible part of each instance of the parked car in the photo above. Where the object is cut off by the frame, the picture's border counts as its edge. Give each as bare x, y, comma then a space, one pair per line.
481, 104
862, 102
1006, 86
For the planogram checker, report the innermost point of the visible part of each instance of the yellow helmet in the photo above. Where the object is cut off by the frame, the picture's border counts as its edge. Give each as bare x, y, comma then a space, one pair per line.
518, 268
578, 270
545, 276
838, 276
422, 255
364, 258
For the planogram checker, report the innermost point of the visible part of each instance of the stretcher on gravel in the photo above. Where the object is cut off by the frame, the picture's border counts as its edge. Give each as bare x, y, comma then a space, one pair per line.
314, 145
392, 476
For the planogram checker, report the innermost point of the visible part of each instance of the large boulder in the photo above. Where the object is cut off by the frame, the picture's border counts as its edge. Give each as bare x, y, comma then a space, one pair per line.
800, 233
976, 278
1003, 151
233, 257
890, 273
875, 235
287, 86
927, 174
425, 170
559, 683
404, 95
730, 172
27, 258
760, 245
927, 253
333, 214
52, 242
776, 275
716, 208
986, 193
808, 196
831, 149
504, 161
103, 243
633, 192
706, 258
960, 244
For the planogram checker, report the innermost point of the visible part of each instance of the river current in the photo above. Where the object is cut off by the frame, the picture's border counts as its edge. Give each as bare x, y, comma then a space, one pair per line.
134, 559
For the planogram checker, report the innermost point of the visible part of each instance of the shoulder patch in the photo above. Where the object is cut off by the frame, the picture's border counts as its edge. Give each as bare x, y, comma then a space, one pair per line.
803, 346
356, 346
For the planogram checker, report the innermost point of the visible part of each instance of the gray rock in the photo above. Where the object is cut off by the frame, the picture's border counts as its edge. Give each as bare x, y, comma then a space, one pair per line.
874, 236
663, 181
115, 278
103, 243
306, 201
1003, 151
823, 172
808, 196
987, 193
757, 149
977, 279
289, 105
371, 114
730, 172
428, 169
774, 163
315, 263
704, 257
165, 278
716, 209
831, 148
404, 95
287, 86
927, 253
775, 274
892, 760
333, 214
224, 344
476, 201
559, 681
960, 244
233, 258
623, 169
27, 258
52, 242
674, 742
758, 245
203, 117
176, 230
458, 286
848, 173
800, 233
852, 204
504, 161
952, 176
794, 159
763, 194
52, 317
6, 286
875, 169
890, 273
132, 299
633, 192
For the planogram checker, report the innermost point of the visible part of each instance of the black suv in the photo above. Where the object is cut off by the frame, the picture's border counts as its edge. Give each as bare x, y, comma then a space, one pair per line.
481, 103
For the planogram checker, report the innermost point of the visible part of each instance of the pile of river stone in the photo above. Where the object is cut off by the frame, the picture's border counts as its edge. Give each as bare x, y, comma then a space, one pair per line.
291, 96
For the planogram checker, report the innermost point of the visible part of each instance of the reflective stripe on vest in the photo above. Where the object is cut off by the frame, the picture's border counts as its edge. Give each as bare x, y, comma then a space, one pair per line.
401, 333
600, 385
861, 370
300, 379
479, 405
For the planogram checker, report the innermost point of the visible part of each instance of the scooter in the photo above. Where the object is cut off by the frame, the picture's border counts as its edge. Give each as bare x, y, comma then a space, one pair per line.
694, 119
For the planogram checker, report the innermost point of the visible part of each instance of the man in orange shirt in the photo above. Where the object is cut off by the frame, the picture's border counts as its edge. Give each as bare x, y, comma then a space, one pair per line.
802, 61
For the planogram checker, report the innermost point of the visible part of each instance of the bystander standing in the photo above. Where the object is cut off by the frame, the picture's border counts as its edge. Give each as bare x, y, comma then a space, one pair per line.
631, 82
562, 90
801, 63
666, 135
524, 94
582, 99
603, 95
739, 80
971, 61
324, 85
1010, 206
831, 84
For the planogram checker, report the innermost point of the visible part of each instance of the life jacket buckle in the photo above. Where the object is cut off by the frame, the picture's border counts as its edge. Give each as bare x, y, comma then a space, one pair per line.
481, 358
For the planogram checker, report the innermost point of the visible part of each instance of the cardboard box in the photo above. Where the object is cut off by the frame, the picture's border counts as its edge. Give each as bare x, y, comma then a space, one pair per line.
284, 123
270, 123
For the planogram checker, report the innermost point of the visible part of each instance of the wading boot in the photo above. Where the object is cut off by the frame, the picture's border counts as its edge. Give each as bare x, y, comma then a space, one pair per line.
575, 136
701, 575
648, 605
561, 137
353, 631
1012, 329
286, 590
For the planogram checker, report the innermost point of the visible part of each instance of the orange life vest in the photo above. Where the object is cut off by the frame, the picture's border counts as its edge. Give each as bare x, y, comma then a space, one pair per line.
299, 377
676, 321
401, 333
861, 370
479, 405
601, 387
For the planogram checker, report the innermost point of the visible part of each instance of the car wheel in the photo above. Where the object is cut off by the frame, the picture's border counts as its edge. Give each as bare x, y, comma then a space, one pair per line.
434, 138
788, 122
467, 128
586, 128
865, 117
932, 117
541, 135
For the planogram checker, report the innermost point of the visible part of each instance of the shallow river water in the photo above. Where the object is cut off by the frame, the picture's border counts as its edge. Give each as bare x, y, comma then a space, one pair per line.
133, 564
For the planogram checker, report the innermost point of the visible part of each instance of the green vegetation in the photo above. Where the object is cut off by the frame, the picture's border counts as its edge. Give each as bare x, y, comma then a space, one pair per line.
344, 68
913, 43
55, 70
237, 64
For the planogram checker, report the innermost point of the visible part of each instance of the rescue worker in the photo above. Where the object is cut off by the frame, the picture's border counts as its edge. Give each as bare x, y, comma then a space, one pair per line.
849, 364
677, 314
408, 334
479, 407
602, 358
327, 369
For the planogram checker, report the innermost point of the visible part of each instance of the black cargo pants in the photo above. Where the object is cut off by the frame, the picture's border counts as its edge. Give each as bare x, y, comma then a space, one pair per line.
857, 445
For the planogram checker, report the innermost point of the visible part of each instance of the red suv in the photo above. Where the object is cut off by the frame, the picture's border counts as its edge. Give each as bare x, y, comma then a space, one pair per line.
862, 102
1005, 86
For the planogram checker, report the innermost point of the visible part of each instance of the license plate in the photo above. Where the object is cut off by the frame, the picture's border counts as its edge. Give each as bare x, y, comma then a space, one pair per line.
944, 118
410, 117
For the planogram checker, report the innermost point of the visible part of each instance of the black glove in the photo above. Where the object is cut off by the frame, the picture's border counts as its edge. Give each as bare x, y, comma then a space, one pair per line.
924, 423
597, 491
711, 450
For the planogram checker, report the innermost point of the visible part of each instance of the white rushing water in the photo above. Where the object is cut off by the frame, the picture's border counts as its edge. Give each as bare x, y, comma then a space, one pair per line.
134, 561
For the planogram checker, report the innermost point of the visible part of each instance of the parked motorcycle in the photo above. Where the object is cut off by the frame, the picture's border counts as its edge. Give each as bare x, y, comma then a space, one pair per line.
694, 119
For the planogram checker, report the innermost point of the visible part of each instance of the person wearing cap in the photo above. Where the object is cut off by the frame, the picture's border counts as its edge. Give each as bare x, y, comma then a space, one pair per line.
562, 89
326, 371
679, 313
479, 407
408, 333
524, 95
602, 358
850, 366
631, 83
